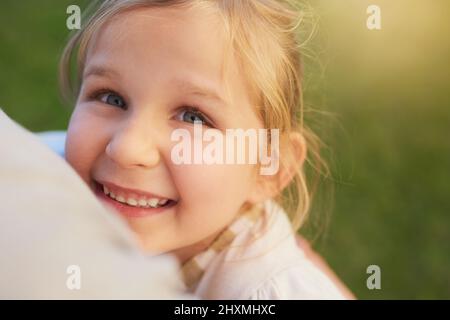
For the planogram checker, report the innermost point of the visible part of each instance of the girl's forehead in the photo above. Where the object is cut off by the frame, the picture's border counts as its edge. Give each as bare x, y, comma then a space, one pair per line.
162, 37
169, 29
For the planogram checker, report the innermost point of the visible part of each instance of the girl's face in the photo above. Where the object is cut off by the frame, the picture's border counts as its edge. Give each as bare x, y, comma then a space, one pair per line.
145, 71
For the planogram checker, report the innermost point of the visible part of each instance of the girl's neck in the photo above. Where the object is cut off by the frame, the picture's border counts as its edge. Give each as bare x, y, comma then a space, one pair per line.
186, 253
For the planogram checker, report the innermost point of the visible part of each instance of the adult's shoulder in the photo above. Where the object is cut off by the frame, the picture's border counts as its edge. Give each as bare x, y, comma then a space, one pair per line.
53, 230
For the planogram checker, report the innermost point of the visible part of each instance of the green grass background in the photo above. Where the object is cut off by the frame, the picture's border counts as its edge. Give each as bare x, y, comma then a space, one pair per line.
388, 133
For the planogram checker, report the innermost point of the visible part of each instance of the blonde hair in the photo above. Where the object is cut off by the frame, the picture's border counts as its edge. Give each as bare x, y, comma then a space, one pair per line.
264, 35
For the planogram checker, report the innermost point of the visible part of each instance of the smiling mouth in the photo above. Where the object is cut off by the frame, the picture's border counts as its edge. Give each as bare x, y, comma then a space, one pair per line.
129, 203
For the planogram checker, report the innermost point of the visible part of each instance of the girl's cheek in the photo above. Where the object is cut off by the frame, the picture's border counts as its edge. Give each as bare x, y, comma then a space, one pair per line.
212, 185
83, 143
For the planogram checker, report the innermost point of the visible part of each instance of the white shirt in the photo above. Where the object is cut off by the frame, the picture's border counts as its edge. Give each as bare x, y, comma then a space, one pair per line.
270, 267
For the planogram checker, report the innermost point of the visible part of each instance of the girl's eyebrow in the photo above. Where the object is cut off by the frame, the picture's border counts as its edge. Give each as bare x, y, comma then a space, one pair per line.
100, 71
187, 86
200, 90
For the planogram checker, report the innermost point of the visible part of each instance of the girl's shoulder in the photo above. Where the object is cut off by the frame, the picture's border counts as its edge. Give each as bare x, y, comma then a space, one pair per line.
301, 281
265, 263
55, 140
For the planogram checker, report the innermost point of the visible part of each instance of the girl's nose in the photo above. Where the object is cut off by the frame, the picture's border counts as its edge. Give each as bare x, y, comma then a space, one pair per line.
134, 145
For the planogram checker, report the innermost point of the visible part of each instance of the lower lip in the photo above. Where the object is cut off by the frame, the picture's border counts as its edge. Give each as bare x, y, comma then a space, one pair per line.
126, 210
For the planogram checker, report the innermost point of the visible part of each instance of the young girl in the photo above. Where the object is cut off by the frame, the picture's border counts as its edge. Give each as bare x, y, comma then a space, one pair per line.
146, 68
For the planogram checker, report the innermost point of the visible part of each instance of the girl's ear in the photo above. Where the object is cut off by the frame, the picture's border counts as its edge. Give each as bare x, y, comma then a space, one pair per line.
294, 156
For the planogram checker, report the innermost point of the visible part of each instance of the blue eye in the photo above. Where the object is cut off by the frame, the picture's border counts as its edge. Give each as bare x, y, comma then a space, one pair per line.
194, 116
112, 99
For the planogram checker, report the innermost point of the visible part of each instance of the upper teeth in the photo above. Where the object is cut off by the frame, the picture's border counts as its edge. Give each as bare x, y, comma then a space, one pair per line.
142, 202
